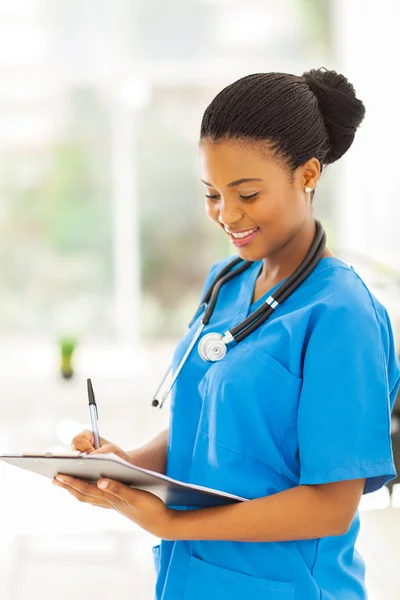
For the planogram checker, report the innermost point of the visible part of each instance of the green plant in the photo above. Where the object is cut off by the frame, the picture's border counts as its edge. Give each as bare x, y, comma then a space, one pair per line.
67, 347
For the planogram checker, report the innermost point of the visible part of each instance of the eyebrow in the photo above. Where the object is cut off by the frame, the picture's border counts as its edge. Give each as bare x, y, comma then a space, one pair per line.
233, 183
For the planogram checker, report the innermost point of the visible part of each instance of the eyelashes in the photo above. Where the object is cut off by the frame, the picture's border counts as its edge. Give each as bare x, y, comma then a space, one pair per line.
252, 197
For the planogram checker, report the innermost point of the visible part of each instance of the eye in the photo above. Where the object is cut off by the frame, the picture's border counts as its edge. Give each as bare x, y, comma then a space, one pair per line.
250, 197
216, 196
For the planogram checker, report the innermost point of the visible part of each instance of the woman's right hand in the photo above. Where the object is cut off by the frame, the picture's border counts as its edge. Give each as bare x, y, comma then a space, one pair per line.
84, 442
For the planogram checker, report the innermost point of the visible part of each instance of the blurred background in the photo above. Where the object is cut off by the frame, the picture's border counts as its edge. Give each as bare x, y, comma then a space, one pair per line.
104, 241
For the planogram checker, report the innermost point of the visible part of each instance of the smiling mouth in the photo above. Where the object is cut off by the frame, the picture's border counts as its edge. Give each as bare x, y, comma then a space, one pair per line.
243, 234
243, 238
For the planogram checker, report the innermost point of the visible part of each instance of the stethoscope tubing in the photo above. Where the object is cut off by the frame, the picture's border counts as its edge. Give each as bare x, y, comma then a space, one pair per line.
213, 292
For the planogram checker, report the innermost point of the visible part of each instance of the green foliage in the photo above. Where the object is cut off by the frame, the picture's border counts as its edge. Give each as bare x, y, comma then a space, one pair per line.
72, 216
67, 347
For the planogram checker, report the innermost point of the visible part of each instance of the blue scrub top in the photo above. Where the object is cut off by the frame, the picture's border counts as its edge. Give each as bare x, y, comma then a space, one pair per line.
305, 399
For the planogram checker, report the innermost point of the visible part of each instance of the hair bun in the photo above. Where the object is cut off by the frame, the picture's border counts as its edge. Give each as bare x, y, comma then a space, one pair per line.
341, 110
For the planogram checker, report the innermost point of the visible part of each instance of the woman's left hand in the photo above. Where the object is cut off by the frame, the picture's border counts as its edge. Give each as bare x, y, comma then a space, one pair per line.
143, 508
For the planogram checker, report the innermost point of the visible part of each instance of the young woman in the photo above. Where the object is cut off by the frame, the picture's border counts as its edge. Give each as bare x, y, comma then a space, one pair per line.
296, 416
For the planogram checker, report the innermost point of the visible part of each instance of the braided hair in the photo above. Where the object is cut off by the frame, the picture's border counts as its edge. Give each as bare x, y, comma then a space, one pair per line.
298, 118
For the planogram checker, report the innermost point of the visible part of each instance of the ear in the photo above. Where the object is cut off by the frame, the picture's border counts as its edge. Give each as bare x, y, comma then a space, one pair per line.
311, 171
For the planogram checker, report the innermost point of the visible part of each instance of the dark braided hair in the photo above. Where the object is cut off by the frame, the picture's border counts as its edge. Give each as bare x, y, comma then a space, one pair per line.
315, 115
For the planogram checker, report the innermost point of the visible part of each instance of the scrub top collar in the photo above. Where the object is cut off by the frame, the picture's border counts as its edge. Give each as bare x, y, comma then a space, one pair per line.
255, 270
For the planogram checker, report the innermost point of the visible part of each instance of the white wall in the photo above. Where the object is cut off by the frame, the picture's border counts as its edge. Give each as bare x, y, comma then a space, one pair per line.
367, 49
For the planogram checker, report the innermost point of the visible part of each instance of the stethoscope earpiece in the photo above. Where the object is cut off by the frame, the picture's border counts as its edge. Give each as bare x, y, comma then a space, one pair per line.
211, 347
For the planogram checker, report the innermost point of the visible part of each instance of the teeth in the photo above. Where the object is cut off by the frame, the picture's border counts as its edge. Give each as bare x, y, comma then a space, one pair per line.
243, 234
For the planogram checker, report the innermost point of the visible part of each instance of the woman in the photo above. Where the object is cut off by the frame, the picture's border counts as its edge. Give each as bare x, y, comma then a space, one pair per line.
296, 416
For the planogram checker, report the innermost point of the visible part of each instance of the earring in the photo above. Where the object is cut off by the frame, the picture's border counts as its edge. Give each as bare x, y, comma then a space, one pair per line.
308, 190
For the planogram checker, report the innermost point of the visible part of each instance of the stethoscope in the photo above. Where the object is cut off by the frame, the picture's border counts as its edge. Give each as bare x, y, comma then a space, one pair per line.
213, 346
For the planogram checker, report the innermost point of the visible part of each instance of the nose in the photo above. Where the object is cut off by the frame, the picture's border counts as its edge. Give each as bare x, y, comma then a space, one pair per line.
228, 214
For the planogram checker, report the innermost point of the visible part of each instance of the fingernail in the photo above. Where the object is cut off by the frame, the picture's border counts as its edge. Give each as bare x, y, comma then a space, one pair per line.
59, 478
102, 484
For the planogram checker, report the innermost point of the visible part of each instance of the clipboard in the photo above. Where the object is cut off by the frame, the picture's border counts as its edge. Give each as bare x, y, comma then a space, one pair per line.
91, 467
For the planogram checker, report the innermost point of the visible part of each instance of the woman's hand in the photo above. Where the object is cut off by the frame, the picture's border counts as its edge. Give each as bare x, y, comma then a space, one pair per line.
143, 508
84, 442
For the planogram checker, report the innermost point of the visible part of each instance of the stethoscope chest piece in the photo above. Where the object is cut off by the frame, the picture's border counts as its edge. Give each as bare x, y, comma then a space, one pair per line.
212, 348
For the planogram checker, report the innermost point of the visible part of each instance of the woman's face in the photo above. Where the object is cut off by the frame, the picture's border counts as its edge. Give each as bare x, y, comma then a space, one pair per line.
272, 208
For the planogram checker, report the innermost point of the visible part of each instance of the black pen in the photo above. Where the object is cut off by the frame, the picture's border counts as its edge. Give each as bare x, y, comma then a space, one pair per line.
94, 415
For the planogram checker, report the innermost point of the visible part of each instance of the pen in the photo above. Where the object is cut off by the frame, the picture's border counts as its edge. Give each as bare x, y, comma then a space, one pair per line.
94, 415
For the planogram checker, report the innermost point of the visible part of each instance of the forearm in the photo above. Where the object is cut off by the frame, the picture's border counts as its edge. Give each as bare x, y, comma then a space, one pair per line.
153, 454
303, 512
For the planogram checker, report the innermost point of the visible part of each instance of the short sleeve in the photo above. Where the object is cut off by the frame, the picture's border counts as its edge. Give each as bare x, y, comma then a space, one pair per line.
345, 401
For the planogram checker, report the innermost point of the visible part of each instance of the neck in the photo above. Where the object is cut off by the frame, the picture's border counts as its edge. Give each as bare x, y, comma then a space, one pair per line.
284, 261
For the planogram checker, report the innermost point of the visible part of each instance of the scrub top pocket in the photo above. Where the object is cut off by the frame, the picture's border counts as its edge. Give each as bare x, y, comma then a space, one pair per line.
249, 403
213, 583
